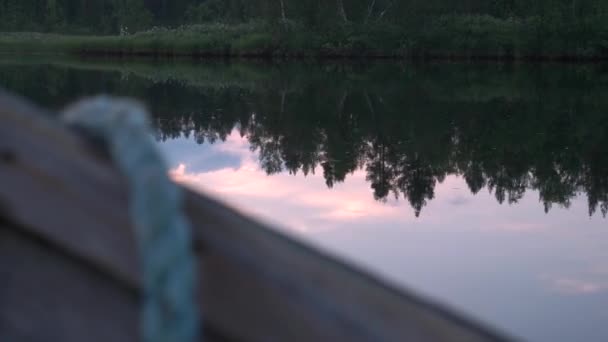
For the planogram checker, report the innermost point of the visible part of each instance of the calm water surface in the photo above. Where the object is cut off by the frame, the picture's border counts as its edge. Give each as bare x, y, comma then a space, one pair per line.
484, 187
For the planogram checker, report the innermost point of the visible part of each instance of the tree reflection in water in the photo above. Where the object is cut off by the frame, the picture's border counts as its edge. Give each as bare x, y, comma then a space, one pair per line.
504, 128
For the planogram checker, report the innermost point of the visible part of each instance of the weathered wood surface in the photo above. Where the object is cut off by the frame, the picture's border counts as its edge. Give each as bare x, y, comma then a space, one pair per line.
257, 285
43, 294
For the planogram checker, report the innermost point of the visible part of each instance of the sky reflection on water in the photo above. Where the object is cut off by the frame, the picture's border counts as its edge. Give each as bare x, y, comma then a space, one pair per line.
537, 135
538, 276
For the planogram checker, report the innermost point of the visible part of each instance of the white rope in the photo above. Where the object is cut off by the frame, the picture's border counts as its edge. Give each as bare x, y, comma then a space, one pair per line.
169, 307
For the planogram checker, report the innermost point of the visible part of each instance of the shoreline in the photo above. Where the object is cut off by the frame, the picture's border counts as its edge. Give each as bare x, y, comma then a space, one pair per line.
254, 43
315, 56
343, 56
5, 49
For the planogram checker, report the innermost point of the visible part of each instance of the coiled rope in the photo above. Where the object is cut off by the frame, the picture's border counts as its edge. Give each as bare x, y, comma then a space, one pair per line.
170, 312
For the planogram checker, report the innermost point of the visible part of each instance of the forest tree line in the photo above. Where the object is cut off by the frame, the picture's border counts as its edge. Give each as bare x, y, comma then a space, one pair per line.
112, 16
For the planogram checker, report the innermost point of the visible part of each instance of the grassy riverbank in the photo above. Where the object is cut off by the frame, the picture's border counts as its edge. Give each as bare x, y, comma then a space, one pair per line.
239, 40
450, 37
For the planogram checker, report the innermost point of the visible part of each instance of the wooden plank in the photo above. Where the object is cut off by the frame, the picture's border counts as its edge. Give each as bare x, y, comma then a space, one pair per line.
258, 285
52, 184
46, 296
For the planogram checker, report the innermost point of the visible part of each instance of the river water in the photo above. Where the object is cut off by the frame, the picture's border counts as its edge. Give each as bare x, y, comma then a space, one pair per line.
481, 186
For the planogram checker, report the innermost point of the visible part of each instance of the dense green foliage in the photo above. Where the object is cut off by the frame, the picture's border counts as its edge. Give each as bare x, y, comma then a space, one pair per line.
449, 28
106, 16
507, 129
75, 16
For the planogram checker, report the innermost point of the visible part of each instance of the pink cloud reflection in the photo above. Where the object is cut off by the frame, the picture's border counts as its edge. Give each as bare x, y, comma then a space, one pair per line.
571, 286
301, 203
305, 203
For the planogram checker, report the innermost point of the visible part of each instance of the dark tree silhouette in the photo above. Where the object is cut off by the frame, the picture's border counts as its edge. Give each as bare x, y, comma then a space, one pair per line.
505, 130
